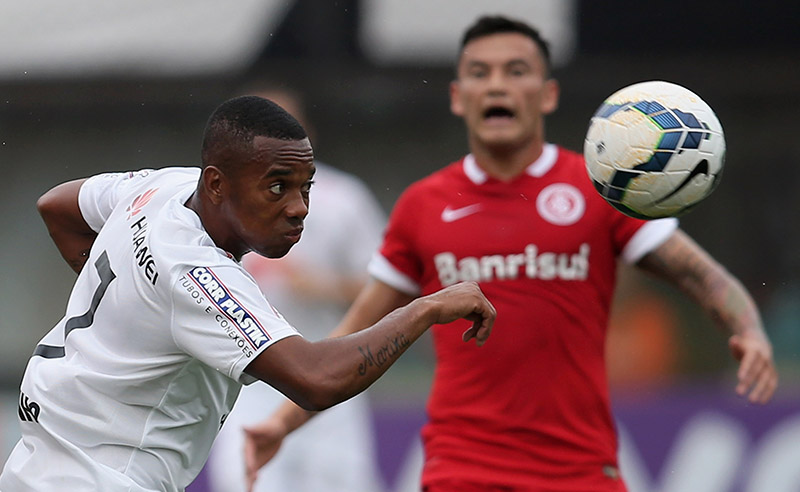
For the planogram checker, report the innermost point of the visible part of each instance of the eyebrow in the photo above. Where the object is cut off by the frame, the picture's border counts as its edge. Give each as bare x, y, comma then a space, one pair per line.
284, 171
278, 171
507, 63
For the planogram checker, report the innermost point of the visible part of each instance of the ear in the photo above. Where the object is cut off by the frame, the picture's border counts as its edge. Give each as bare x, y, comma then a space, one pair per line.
550, 93
214, 183
455, 99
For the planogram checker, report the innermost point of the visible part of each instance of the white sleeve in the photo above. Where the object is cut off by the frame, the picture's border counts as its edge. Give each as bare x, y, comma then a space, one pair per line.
221, 318
649, 237
99, 195
382, 269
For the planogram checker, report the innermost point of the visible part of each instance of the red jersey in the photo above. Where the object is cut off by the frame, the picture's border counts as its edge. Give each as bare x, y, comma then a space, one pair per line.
530, 408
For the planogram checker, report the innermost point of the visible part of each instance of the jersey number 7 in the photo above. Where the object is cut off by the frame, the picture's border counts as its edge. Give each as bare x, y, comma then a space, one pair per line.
85, 320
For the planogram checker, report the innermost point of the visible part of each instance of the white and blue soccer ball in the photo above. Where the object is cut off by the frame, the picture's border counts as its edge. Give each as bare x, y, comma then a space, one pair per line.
654, 149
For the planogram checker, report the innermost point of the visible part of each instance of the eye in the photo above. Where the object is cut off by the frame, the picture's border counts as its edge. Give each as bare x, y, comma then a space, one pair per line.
477, 70
307, 187
277, 188
478, 73
518, 70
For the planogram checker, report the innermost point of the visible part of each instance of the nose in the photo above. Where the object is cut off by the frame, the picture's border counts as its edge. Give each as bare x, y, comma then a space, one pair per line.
297, 207
497, 82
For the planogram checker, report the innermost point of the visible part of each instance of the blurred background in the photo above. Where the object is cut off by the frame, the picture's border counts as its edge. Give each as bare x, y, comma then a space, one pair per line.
89, 86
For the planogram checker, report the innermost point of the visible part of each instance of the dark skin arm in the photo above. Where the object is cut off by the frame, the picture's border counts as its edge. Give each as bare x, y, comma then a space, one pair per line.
71, 234
683, 263
318, 375
263, 440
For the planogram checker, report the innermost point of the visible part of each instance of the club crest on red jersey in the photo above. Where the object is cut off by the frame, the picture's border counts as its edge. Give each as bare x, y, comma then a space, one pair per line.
560, 204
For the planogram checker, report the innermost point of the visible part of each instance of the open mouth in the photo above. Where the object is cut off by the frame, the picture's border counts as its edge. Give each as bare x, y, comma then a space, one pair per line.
497, 113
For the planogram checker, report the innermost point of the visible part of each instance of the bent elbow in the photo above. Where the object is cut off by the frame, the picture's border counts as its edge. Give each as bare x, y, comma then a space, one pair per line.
46, 204
313, 405
321, 395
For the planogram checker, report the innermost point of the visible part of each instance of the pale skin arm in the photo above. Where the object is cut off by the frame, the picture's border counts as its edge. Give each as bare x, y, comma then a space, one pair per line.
682, 262
263, 440
71, 234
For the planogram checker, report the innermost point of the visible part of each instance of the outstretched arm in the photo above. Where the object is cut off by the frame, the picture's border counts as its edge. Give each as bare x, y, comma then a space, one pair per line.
71, 234
264, 439
685, 264
318, 375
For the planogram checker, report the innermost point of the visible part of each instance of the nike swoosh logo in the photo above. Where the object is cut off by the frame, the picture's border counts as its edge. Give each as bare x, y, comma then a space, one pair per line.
700, 168
453, 214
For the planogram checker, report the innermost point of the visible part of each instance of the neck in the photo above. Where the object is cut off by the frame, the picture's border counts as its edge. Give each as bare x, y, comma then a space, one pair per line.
506, 164
213, 227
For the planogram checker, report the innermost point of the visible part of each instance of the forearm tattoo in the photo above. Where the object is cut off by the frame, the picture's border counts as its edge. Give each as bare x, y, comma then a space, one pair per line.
385, 354
687, 266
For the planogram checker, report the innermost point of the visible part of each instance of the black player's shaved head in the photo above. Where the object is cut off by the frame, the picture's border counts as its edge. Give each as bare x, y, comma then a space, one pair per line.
232, 126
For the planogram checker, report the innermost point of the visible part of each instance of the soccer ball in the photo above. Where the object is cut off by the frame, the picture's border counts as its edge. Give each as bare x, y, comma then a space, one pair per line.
654, 149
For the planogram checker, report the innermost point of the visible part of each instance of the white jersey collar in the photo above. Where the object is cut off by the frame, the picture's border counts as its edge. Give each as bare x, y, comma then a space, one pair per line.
545, 162
537, 168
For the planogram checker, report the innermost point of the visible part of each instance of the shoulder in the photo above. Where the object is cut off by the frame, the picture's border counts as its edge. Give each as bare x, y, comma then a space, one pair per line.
172, 178
179, 241
448, 180
134, 180
449, 177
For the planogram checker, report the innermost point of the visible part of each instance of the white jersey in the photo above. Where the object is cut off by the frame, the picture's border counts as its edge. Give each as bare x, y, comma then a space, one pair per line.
129, 389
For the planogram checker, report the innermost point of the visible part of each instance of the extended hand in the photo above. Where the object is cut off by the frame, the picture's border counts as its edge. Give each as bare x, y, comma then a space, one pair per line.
466, 300
261, 443
757, 374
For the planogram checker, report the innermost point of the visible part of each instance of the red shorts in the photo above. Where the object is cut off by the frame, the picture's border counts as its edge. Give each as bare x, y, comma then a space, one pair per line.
466, 486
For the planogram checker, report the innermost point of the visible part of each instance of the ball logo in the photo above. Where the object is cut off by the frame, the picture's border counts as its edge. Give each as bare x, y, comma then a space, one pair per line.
560, 204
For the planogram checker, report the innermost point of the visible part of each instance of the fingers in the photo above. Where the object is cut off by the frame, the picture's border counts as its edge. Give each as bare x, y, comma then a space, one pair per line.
251, 465
482, 318
466, 300
477, 331
759, 381
757, 376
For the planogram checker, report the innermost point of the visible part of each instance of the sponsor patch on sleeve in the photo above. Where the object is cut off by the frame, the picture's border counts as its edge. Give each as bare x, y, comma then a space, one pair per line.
229, 307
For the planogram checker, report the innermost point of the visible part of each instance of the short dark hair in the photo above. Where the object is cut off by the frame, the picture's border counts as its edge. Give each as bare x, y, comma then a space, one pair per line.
234, 124
496, 24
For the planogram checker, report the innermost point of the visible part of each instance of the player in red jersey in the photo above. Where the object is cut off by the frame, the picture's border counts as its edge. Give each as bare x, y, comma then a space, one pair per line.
530, 410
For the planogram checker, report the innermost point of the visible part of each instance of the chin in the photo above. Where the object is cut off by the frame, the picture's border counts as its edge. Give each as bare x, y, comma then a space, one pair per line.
275, 251
500, 138
502, 144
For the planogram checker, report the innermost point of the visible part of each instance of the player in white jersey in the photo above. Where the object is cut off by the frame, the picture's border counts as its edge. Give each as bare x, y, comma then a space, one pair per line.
163, 326
313, 286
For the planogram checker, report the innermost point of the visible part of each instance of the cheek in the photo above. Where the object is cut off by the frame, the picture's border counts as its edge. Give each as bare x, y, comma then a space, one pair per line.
257, 215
